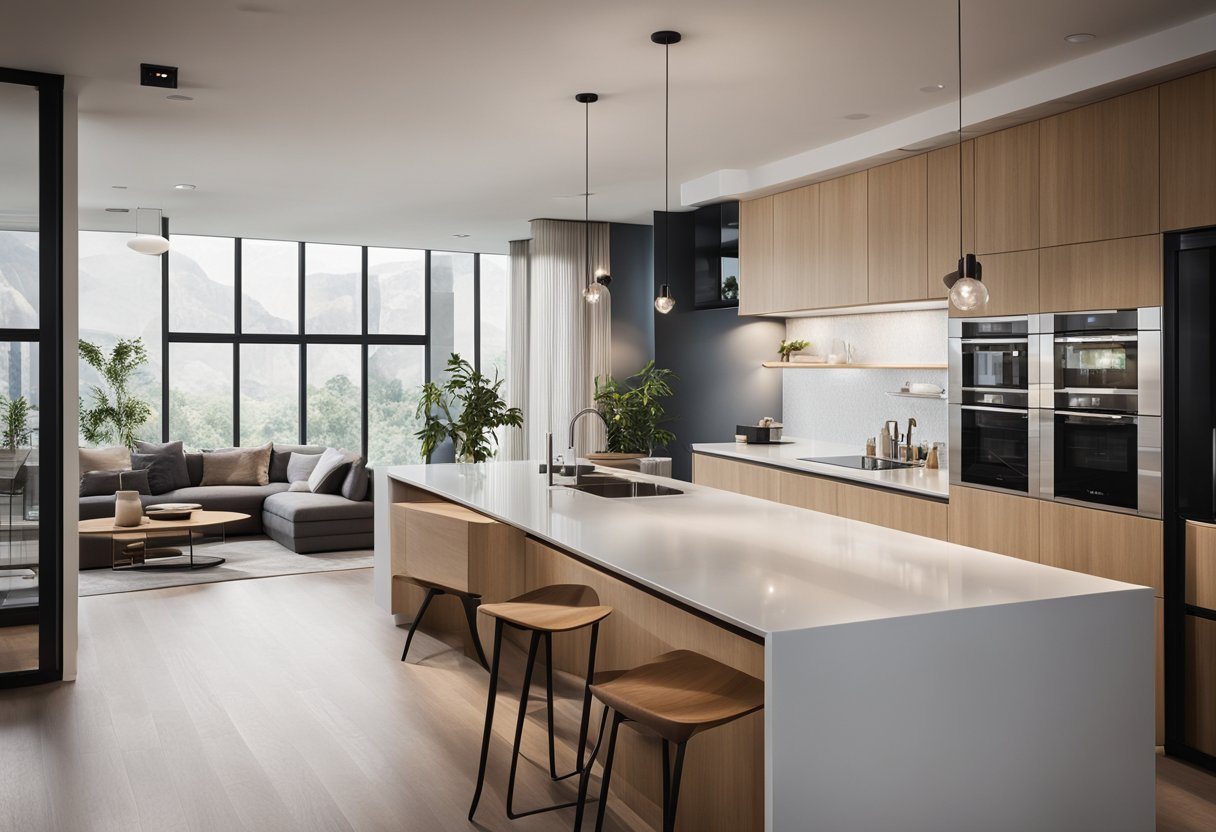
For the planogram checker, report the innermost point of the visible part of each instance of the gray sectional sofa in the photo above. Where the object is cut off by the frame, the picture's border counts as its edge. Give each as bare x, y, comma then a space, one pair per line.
302, 521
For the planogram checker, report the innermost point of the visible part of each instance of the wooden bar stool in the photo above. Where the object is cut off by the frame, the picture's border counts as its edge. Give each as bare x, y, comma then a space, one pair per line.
676, 696
560, 608
469, 600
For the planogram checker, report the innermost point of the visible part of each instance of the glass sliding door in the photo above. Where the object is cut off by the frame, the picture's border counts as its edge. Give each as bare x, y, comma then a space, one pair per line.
31, 414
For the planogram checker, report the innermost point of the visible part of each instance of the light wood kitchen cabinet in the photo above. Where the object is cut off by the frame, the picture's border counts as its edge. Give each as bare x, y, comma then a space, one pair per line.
926, 518
756, 268
1012, 279
898, 231
1199, 683
1188, 152
1002, 523
795, 246
942, 206
809, 492
841, 262
739, 477
1098, 171
1111, 274
1007, 190
1121, 547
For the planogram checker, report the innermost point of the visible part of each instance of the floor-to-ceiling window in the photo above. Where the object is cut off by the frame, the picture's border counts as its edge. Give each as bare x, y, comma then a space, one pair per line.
252, 341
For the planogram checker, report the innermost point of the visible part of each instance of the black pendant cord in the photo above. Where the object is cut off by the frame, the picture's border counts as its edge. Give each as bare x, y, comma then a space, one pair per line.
587, 188
960, 135
667, 164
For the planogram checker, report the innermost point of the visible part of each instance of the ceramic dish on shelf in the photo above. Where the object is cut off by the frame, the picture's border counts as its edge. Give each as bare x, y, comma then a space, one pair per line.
171, 511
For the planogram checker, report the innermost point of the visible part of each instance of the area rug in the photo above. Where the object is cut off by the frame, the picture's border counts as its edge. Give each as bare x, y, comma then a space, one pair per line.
251, 557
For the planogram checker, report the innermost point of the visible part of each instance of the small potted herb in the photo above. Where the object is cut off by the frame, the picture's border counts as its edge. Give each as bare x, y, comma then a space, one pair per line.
788, 349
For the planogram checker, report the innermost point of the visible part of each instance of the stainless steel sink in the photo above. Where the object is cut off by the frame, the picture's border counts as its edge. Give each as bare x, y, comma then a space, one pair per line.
606, 485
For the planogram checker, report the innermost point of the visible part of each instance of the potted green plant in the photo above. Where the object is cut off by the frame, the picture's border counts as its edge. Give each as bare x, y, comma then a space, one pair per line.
788, 348
115, 414
16, 416
635, 414
467, 409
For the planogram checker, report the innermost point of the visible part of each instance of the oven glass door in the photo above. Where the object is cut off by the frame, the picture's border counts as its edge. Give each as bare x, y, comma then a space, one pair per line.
1096, 363
995, 448
995, 364
1096, 459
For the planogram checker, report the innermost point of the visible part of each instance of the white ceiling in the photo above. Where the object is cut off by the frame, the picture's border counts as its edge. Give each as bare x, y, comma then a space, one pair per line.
402, 122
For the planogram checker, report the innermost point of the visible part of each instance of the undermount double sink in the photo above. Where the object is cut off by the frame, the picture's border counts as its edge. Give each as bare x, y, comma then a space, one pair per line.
608, 485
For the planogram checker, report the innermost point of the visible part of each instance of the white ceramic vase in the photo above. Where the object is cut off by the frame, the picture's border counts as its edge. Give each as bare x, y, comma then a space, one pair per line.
127, 509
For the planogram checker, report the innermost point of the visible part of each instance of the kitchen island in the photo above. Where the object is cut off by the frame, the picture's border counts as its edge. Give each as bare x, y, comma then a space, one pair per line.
910, 684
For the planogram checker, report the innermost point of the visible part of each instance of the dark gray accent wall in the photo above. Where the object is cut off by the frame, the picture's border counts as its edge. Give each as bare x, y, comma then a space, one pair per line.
716, 354
631, 253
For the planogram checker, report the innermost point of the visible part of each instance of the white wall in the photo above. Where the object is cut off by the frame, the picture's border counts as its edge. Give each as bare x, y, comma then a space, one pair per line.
850, 405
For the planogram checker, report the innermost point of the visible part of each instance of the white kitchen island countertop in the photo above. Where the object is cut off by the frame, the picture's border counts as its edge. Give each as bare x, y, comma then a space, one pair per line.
791, 455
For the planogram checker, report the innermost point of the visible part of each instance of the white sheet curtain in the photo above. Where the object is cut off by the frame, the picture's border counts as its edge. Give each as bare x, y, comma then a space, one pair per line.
515, 440
568, 341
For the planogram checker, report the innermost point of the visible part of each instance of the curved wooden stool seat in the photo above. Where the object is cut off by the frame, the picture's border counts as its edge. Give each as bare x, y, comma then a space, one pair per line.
560, 608
676, 696
469, 600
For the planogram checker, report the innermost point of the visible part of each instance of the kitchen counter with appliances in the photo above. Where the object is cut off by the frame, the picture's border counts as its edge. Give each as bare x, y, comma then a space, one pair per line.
1000, 678
800, 455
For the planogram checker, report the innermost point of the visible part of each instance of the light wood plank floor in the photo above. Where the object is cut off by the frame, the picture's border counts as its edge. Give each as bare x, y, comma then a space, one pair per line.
279, 704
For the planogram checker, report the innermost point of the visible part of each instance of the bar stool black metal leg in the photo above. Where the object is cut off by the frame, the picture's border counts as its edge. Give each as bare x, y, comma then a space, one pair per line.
585, 721
584, 779
470, 612
426, 602
485, 737
549, 702
533, 645
666, 781
617, 719
669, 810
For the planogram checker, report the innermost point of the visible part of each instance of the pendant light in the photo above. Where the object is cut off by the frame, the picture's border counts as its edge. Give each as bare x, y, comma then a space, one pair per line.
664, 303
597, 285
153, 243
967, 290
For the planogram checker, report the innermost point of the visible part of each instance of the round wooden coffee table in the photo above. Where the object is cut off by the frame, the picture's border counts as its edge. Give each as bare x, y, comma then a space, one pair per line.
149, 528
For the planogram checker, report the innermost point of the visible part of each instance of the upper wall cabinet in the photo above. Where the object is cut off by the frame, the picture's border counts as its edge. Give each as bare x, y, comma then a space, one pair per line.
942, 203
756, 256
1188, 152
795, 246
898, 231
841, 262
1098, 171
1108, 274
1007, 190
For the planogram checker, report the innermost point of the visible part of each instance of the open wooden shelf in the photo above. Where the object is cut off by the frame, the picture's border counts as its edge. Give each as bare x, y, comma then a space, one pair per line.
793, 365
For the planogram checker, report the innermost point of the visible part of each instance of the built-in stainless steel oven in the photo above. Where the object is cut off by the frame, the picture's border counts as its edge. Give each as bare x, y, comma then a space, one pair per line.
994, 391
1101, 422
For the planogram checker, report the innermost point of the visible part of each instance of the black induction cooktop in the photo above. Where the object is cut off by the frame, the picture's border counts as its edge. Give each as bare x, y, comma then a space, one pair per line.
863, 463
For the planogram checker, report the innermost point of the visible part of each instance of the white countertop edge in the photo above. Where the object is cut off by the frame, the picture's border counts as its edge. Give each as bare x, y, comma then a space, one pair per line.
933, 484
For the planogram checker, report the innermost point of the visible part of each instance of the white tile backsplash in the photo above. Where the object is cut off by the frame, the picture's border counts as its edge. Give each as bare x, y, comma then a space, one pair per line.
850, 405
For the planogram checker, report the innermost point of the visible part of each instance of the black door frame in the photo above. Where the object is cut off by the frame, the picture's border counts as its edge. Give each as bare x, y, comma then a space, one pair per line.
49, 337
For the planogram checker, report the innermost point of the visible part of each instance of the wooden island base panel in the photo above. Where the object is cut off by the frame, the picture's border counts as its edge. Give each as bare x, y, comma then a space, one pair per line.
723, 781
911, 684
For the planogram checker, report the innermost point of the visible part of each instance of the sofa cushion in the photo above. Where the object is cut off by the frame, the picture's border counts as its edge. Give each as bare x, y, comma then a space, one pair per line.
329, 474
194, 467
280, 455
238, 466
303, 507
106, 483
354, 487
300, 467
166, 465
117, 458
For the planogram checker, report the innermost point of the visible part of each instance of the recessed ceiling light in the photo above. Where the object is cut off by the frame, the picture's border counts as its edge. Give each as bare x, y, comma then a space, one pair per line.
1079, 37
118, 210
179, 97
158, 75
857, 116
933, 88
119, 187
184, 186
460, 235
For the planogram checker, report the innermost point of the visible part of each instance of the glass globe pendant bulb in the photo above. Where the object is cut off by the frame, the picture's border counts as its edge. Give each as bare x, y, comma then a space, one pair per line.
594, 292
968, 293
664, 303
151, 244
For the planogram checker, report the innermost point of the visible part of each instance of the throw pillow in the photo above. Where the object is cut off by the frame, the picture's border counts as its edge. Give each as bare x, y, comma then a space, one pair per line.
105, 483
330, 472
241, 466
165, 464
117, 458
302, 485
281, 455
300, 466
354, 487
